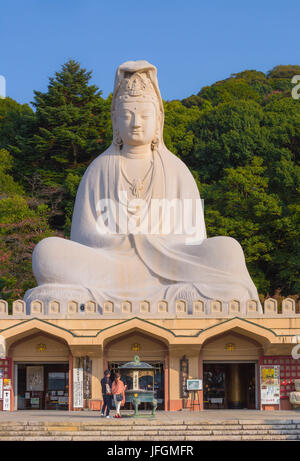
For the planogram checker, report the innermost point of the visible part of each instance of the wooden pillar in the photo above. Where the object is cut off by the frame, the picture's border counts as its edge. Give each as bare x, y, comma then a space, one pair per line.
175, 401
105, 362
167, 374
200, 376
97, 374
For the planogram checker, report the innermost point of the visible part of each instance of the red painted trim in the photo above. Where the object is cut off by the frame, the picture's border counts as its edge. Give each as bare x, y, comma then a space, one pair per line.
95, 405
12, 378
270, 407
175, 405
257, 378
276, 361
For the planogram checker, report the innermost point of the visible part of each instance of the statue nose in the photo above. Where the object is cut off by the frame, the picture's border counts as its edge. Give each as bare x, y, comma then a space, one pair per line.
136, 121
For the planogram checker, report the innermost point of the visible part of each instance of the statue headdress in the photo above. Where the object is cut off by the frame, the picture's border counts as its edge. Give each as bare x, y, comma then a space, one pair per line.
137, 79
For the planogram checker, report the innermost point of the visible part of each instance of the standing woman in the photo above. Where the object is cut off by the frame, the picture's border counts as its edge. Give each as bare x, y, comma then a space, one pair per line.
118, 391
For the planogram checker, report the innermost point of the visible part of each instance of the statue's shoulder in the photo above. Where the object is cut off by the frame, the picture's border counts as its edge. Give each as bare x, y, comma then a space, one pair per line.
101, 161
175, 163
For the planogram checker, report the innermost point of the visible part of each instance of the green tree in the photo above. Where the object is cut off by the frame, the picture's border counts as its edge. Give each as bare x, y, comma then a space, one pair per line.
178, 136
23, 223
12, 117
241, 206
69, 128
227, 136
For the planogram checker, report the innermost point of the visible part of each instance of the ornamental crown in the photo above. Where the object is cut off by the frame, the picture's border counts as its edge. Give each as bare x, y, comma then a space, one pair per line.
137, 85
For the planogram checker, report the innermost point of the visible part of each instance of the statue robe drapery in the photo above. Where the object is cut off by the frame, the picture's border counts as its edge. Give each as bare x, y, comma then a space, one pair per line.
132, 266
159, 266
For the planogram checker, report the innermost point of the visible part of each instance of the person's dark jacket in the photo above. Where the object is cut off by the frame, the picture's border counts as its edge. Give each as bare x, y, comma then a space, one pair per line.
105, 381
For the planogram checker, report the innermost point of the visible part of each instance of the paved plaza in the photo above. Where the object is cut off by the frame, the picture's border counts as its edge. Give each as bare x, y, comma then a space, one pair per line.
163, 416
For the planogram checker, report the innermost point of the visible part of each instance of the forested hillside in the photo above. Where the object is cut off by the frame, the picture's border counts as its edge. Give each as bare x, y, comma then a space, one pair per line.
240, 137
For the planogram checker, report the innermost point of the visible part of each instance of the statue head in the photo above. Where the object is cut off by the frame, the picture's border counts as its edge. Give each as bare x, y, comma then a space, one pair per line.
137, 109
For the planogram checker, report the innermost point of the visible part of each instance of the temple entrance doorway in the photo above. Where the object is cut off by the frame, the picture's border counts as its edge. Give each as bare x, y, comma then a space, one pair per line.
229, 385
42, 386
123, 348
41, 372
159, 384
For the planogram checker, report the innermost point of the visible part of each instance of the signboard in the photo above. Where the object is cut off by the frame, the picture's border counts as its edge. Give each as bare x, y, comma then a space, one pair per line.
270, 384
1, 388
135, 383
6, 383
6, 400
78, 387
194, 384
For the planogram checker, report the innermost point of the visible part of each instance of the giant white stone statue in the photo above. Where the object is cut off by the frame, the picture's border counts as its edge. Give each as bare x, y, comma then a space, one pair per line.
138, 230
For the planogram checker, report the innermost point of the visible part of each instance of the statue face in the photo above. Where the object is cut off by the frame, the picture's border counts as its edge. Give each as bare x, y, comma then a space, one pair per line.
136, 122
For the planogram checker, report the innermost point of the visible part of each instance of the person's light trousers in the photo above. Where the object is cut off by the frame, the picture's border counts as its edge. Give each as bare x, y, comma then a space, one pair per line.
117, 404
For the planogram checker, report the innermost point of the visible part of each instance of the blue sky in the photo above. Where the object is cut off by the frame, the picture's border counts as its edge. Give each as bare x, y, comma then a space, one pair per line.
193, 43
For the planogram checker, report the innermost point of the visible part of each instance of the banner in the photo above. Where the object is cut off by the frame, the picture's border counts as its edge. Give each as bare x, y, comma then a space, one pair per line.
270, 384
1, 388
77, 387
35, 378
6, 401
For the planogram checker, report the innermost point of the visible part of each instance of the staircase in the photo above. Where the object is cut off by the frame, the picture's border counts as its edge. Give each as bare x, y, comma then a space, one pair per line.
150, 430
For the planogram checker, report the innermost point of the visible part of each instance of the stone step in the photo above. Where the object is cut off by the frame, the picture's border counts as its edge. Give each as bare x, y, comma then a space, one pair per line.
113, 428
118, 430
136, 423
157, 439
196, 433
150, 430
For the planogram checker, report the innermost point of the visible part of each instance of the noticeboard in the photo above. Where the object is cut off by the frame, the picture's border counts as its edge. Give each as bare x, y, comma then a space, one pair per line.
194, 384
270, 384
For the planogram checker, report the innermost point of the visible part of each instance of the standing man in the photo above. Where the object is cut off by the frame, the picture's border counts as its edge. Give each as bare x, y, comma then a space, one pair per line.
106, 384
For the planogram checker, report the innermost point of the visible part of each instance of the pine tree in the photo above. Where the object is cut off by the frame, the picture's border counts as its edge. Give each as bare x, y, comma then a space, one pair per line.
70, 125
69, 128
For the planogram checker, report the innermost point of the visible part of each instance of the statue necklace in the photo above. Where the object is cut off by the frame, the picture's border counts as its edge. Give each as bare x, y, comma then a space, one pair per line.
136, 186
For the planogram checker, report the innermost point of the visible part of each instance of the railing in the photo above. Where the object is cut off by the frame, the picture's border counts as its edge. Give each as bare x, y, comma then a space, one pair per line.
197, 308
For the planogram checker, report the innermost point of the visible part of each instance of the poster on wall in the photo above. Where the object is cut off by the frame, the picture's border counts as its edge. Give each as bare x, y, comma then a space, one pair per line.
6, 383
6, 401
78, 387
35, 378
270, 385
1, 388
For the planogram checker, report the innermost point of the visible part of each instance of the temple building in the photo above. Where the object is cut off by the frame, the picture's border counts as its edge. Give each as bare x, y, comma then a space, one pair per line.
139, 276
55, 360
